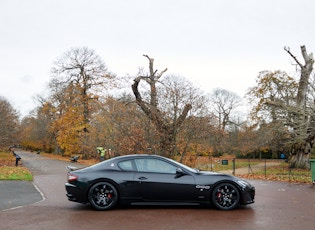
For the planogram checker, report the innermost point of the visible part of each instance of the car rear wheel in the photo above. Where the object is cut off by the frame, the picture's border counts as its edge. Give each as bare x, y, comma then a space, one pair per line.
103, 196
225, 196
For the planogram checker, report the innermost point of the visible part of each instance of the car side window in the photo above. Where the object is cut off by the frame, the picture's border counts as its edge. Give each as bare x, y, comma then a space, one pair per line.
126, 165
154, 166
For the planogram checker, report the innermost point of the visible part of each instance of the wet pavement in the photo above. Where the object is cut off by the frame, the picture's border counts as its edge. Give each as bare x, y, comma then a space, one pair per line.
18, 193
278, 206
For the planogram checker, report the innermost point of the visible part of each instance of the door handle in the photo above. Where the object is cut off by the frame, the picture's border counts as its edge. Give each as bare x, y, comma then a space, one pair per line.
142, 178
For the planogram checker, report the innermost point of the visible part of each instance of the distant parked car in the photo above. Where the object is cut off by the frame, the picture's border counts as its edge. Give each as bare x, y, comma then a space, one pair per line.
151, 179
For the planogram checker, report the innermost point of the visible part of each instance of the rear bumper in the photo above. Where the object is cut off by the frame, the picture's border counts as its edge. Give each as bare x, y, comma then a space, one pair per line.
75, 194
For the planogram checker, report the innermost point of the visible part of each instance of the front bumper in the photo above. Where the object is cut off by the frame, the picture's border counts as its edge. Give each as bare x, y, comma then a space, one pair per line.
248, 195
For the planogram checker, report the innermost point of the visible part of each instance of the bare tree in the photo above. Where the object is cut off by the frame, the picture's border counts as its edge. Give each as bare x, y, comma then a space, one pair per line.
83, 69
167, 128
306, 71
224, 103
174, 93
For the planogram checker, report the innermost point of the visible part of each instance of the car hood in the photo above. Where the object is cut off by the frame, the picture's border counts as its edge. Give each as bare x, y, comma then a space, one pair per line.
210, 173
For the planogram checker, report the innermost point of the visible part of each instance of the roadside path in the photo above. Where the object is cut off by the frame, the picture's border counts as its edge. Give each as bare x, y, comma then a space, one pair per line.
251, 169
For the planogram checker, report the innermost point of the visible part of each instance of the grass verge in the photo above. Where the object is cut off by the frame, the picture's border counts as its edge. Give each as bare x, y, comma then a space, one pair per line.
282, 172
272, 170
15, 173
8, 170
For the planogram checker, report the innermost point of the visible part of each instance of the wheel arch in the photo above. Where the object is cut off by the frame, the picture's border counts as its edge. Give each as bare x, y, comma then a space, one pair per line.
223, 182
117, 187
226, 181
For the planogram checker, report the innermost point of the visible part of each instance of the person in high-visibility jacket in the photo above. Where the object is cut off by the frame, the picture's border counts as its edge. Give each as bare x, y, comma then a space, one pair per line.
101, 152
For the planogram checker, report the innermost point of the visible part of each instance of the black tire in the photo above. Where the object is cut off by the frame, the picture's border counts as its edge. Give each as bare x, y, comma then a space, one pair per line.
103, 196
225, 196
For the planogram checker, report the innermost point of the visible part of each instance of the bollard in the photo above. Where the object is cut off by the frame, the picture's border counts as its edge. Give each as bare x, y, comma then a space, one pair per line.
312, 162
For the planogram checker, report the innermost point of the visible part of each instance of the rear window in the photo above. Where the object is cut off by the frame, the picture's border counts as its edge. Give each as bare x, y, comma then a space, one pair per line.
126, 165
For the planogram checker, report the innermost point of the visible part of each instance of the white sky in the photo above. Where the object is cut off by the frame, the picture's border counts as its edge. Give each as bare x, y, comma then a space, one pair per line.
213, 43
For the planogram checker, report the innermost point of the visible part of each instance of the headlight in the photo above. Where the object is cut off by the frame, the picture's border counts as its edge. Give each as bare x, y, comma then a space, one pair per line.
243, 183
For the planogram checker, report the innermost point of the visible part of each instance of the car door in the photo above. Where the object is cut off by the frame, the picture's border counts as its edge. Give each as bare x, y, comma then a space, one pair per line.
128, 186
158, 181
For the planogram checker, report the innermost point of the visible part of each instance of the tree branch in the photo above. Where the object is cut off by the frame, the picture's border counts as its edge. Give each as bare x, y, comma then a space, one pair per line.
294, 57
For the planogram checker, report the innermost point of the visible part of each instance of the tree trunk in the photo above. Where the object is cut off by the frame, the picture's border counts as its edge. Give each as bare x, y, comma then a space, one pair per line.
167, 130
300, 152
300, 155
300, 160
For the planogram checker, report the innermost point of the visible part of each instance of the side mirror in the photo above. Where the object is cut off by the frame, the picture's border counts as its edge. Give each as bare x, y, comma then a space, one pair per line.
179, 172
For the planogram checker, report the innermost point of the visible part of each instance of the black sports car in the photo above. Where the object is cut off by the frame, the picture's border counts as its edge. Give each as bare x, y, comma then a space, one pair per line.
151, 179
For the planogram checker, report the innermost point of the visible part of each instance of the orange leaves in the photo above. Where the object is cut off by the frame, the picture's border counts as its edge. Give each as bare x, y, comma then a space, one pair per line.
69, 129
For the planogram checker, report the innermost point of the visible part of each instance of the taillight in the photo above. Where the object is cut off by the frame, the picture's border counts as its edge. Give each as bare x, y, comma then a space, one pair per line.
72, 177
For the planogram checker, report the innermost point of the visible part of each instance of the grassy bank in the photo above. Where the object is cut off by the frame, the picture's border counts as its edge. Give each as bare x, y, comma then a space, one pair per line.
282, 172
8, 170
277, 170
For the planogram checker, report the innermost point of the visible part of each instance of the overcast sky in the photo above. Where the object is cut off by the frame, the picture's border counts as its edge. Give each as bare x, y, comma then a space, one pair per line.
213, 43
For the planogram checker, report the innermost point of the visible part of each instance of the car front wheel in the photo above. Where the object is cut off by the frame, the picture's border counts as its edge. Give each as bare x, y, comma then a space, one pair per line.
103, 196
225, 196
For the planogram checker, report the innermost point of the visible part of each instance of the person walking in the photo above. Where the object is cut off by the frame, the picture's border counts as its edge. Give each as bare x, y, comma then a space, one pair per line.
101, 152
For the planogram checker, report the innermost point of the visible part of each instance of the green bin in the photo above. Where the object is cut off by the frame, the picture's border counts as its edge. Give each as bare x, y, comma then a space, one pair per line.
312, 162
226, 162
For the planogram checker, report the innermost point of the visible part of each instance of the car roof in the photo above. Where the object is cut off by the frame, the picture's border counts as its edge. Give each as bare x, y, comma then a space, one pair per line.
131, 156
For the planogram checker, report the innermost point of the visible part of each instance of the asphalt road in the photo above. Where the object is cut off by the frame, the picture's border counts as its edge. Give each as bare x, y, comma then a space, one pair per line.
278, 206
